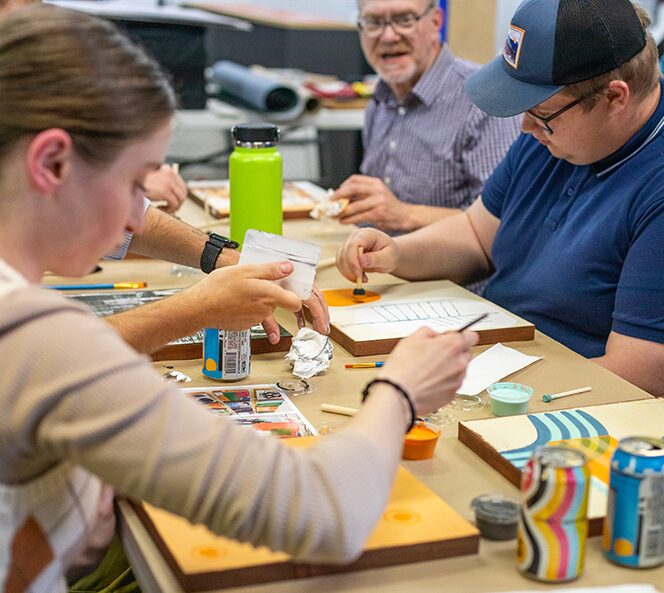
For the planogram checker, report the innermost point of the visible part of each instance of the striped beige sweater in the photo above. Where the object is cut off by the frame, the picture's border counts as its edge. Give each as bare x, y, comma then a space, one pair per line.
76, 401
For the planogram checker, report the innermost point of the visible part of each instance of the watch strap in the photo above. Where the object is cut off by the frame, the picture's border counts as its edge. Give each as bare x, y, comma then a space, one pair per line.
213, 248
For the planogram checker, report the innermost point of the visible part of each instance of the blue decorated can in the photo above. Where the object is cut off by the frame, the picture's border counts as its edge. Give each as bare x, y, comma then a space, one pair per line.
553, 524
634, 526
226, 354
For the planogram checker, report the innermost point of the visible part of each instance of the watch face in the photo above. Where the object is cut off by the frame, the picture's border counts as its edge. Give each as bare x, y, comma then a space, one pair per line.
223, 241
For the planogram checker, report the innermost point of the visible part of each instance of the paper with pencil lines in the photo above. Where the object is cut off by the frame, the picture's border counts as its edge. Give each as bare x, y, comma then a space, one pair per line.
395, 318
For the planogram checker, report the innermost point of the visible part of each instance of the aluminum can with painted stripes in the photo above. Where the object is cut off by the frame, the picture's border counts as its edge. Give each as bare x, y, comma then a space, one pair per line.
634, 526
553, 522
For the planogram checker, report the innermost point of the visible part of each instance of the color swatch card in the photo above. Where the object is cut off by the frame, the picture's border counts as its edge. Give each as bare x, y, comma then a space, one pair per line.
262, 407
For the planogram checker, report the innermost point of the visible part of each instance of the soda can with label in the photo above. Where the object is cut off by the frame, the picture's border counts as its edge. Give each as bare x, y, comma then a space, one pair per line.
553, 523
634, 526
226, 354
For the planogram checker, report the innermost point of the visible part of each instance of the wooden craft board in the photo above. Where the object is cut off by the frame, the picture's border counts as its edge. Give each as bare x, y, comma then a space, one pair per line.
352, 103
299, 197
272, 17
185, 348
507, 443
416, 526
372, 328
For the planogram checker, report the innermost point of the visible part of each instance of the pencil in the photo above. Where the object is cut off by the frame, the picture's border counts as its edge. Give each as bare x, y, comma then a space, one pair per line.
114, 286
473, 322
547, 397
364, 365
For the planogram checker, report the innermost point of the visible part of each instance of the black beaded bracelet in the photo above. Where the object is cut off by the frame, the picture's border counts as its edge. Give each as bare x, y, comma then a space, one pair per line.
400, 390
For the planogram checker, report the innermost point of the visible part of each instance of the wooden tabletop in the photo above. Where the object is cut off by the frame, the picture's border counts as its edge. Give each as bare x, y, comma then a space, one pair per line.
455, 472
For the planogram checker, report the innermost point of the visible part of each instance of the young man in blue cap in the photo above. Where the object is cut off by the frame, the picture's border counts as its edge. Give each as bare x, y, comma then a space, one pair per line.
572, 220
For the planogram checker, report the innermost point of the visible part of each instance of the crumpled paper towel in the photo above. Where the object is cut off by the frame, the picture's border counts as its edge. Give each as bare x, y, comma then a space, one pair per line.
310, 353
327, 209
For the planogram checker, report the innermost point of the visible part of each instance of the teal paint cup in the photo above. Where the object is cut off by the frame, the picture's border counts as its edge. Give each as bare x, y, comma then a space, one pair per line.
508, 399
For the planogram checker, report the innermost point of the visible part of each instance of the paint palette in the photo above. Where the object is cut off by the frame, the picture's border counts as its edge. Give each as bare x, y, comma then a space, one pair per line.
507, 443
416, 526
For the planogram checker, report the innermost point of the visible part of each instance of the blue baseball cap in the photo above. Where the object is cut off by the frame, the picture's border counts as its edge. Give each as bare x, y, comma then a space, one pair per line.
553, 43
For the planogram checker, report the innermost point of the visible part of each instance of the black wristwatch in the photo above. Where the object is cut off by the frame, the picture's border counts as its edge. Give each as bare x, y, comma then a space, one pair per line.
212, 249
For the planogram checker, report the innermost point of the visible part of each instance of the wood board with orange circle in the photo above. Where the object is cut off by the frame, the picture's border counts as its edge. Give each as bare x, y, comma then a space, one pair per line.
373, 323
416, 525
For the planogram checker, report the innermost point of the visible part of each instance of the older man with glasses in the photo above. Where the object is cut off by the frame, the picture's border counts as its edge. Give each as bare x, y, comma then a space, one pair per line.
572, 220
428, 149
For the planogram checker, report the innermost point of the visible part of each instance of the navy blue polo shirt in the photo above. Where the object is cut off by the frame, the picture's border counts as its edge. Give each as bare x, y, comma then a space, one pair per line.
580, 249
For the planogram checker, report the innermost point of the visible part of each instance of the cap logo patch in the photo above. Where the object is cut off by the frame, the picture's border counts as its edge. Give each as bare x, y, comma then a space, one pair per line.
512, 49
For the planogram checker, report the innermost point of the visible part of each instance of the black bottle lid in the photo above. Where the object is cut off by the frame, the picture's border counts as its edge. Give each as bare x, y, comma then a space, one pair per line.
255, 133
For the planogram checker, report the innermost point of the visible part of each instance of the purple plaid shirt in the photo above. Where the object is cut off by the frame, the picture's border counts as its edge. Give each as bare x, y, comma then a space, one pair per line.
435, 148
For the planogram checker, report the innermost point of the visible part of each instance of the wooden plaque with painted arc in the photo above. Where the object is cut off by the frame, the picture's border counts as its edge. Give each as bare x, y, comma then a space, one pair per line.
374, 324
507, 443
416, 525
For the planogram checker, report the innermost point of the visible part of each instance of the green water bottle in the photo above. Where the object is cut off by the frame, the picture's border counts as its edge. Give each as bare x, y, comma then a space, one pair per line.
255, 173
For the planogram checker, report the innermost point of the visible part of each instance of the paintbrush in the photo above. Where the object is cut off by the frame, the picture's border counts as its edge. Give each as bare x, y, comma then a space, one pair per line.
358, 290
472, 322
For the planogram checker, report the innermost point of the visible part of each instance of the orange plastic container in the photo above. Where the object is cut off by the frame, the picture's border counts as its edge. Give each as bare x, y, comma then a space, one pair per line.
420, 441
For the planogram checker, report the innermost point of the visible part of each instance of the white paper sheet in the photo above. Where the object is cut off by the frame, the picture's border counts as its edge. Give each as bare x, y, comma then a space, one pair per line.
492, 365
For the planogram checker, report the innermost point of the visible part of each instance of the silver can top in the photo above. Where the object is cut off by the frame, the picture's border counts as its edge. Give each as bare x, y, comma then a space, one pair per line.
642, 446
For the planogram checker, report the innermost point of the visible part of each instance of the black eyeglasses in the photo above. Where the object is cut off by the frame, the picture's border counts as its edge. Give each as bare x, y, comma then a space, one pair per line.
403, 24
544, 121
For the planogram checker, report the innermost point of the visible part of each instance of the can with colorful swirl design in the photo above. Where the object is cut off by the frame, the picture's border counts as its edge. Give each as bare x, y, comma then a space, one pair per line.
553, 523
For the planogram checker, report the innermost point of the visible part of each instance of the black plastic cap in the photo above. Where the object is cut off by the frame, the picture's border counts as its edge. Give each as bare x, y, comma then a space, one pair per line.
255, 132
